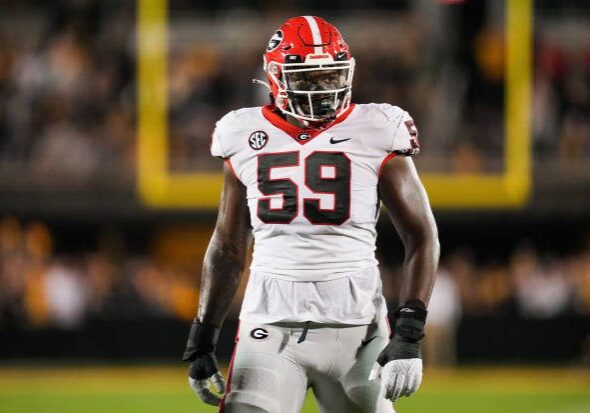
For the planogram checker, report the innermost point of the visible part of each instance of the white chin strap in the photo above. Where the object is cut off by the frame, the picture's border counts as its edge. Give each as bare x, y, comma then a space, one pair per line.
261, 82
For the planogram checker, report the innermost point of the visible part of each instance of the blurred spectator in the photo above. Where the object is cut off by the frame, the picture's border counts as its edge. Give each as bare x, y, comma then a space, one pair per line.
66, 293
462, 267
444, 316
492, 287
12, 261
541, 291
580, 267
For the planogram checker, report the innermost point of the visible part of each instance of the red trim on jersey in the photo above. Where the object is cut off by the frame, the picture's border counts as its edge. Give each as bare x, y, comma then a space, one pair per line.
388, 326
277, 120
384, 162
231, 370
229, 164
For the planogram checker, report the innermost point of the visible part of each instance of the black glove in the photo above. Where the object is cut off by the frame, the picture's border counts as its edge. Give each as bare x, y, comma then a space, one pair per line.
399, 366
200, 352
407, 334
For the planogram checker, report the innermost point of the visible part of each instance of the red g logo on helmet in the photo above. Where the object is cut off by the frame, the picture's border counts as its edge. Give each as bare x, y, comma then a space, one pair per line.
275, 41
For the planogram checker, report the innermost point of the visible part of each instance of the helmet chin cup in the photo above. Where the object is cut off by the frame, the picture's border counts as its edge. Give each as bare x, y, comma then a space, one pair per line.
327, 111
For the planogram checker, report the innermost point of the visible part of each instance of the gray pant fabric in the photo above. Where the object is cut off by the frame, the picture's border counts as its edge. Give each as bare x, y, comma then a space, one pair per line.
271, 371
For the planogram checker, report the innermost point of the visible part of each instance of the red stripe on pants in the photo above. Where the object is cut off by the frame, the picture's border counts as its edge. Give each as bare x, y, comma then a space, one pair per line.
231, 369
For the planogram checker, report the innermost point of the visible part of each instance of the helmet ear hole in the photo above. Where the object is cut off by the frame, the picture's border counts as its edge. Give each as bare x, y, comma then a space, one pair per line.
273, 69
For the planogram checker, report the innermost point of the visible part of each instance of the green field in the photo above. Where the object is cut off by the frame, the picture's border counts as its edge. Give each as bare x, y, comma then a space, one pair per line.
164, 389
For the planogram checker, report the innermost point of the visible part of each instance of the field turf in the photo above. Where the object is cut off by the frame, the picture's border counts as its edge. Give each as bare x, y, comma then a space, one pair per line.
164, 389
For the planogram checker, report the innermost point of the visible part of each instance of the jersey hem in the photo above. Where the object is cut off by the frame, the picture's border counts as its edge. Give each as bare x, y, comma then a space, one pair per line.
260, 319
311, 275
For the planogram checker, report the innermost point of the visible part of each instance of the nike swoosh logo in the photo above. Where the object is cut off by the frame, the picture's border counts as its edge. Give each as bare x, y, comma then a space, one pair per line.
365, 342
332, 140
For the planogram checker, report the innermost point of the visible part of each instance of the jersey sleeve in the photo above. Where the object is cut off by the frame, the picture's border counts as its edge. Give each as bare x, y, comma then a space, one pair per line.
405, 139
216, 148
221, 139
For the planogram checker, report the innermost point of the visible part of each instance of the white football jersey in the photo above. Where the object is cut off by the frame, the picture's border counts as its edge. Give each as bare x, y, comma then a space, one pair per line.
312, 194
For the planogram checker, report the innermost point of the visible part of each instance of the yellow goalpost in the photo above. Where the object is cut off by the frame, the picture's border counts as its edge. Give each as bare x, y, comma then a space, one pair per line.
158, 187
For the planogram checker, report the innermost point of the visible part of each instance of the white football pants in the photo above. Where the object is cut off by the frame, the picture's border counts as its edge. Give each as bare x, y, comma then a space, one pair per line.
272, 369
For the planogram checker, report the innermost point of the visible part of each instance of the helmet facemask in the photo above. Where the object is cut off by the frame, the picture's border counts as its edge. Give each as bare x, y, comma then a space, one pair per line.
318, 92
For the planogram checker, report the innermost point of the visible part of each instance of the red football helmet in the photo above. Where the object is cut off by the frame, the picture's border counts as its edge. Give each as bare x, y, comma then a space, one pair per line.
309, 70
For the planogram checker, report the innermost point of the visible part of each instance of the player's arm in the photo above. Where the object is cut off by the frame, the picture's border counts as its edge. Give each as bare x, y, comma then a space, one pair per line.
226, 254
409, 209
407, 204
222, 272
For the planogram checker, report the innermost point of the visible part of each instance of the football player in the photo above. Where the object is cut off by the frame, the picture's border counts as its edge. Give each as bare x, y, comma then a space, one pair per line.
305, 175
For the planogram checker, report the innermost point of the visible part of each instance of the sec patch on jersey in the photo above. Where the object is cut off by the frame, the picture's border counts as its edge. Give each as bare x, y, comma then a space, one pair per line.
258, 140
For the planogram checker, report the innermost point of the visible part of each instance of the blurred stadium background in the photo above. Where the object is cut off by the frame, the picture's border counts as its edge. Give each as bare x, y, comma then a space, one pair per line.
101, 238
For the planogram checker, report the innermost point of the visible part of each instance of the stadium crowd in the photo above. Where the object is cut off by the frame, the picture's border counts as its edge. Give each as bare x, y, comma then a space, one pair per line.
68, 89
41, 288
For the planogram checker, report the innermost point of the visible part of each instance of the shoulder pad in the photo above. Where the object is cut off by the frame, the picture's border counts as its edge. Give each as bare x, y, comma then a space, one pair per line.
399, 130
226, 128
392, 113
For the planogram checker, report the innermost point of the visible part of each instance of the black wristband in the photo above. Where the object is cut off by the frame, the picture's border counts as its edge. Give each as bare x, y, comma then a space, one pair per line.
202, 338
412, 309
410, 319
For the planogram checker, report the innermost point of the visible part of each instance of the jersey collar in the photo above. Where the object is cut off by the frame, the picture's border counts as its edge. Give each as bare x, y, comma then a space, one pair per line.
294, 131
